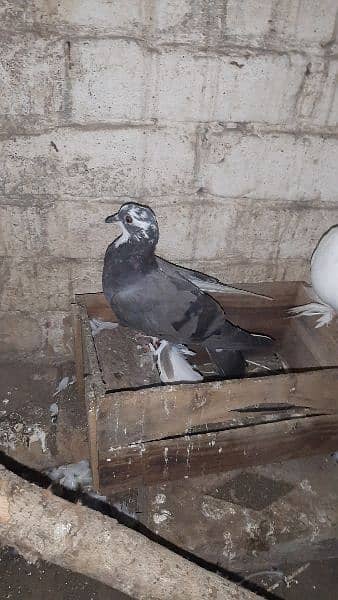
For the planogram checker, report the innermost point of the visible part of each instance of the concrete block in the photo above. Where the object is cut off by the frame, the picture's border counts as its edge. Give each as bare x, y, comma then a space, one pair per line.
108, 80
19, 332
248, 18
304, 225
211, 225
293, 269
196, 87
86, 276
164, 20
310, 91
273, 166
262, 230
32, 75
116, 16
123, 161
57, 334
324, 110
235, 230
16, 15
234, 270
258, 88
76, 229
182, 21
330, 94
177, 223
32, 287
21, 231
307, 21
189, 21
183, 86
48, 335
241, 230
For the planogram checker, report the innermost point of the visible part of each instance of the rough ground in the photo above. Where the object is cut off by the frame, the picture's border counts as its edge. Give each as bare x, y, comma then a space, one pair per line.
189, 513
22, 581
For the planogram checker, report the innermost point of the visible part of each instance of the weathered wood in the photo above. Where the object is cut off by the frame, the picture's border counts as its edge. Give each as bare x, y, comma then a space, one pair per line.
123, 420
94, 390
87, 542
78, 352
127, 417
192, 455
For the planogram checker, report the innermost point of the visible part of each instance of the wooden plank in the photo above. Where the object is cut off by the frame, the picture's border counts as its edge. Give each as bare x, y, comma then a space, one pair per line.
78, 352
154, 413
96, 306
91, 400
94, 390
201, 454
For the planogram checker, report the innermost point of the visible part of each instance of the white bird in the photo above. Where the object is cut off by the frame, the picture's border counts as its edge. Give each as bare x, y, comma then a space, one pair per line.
324, 279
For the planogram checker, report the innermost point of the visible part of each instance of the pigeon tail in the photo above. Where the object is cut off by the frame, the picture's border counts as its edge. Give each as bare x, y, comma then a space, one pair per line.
230, 364
237, 339
326, 312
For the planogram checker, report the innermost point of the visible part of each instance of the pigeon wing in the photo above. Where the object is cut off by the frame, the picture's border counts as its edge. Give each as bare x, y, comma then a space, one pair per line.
170, 307
205, 282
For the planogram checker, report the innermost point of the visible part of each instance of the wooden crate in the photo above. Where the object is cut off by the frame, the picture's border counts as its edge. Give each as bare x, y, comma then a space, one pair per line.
142, 432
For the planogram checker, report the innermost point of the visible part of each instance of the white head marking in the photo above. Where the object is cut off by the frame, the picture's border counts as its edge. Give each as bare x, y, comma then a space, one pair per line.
140, 218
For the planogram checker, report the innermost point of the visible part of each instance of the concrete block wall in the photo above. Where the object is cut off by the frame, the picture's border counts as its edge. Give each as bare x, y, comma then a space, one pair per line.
222, 115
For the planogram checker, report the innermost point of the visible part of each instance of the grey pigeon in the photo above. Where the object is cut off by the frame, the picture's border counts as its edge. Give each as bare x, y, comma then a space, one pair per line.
164, 301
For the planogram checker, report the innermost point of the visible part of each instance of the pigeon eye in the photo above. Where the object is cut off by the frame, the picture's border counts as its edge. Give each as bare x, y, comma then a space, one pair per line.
129, 219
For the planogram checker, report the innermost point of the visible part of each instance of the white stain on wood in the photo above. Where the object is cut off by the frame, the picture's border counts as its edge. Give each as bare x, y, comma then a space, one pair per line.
160, 499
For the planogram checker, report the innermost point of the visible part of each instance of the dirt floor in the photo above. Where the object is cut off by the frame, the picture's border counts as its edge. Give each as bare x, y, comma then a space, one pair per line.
22, 581
273, 526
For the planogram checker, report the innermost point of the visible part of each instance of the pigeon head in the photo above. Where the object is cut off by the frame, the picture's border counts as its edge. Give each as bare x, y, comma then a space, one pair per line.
138, 224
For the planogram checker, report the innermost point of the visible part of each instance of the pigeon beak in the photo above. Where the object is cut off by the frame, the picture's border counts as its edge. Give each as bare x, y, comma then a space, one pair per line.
112, 218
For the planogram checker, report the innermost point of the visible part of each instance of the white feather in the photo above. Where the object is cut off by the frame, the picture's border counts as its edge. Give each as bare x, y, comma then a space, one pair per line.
97, 325
313, 309
72, 476
122, 239
173, 366
63, 384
